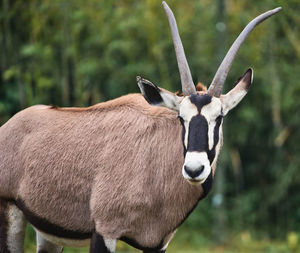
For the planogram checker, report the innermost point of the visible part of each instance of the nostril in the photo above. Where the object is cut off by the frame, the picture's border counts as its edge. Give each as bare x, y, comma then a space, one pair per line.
201, 168
193, 173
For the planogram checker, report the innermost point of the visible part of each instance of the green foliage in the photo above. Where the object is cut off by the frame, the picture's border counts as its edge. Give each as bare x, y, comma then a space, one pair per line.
78, 53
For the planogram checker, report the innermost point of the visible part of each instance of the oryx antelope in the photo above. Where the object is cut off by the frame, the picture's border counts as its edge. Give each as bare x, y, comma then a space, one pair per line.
113, 171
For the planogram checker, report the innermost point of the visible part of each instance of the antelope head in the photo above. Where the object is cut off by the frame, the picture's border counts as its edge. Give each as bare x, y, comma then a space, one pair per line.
201, 113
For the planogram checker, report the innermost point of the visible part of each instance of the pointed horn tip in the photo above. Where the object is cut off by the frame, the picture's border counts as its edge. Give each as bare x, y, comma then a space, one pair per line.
166, 6
277, 9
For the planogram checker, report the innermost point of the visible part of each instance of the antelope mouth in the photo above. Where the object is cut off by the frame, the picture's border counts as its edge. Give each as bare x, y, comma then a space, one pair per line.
196, 181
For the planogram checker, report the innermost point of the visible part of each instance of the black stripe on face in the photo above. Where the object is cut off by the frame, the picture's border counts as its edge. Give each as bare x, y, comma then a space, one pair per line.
207, 185
198, 127
182, 134
212, 153
200, 100
198, 134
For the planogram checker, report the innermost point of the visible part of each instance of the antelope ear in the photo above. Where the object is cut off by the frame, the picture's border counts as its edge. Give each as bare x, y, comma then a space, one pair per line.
157, 96
236, 94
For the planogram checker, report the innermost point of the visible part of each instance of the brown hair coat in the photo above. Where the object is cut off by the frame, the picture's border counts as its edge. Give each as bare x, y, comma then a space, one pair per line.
115, 166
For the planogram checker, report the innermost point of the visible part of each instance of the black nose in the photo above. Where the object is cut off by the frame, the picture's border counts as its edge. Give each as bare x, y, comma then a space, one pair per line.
194, 172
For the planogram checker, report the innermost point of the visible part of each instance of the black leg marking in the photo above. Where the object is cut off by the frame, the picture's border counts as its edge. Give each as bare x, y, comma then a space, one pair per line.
98, 244
3, 227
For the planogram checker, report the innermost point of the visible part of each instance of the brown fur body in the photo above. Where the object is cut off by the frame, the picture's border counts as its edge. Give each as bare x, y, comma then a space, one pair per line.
103, 167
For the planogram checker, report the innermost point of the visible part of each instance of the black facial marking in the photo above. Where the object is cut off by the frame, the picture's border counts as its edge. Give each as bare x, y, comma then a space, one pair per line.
207, 185
182, 134
198, 127
98, 244
198, 134
48, 227
200, 100
212, 153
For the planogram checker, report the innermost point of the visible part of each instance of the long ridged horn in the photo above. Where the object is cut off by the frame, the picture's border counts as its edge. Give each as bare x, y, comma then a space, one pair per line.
218, 81
188, 87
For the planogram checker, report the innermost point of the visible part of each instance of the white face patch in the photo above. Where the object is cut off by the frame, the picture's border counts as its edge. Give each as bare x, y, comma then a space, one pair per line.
218, 146
211, 111
187, 111
194, 160
211, 127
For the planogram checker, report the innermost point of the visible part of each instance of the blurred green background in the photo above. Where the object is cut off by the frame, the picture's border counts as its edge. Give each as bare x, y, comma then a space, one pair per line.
78, 53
